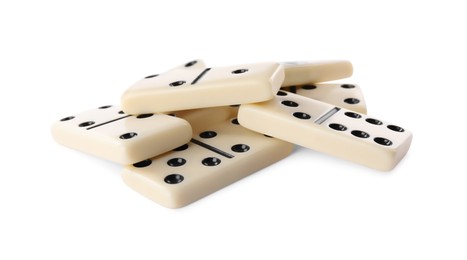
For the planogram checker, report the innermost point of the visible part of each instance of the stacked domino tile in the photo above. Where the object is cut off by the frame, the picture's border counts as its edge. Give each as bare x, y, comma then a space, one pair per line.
193, 130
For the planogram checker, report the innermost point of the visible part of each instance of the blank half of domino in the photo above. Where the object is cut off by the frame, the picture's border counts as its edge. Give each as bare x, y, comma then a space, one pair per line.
309, 72
107, 132
216, 156
329, 129
194, 87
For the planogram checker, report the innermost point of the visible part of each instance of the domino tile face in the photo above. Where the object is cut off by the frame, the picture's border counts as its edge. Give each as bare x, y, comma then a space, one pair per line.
216, 157
329, 129
107, 132
190, 88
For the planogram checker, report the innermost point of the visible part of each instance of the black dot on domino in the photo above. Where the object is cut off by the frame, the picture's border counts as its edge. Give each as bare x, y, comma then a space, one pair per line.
338, 127
309, 87
87, 123
177, 83
351, 101
151, 76
67, 118
211, 161
104, 107
292, 89
191, 63
301, 115
374, 121
173, 178
208, 134
347, 86
175, 162
235, 121
240, 148
396, 128
239, 71
360, 134
281, 93
128, 135
353, 115
382, 141
121, 112
144, 116
181, 148
143, 164
289, 103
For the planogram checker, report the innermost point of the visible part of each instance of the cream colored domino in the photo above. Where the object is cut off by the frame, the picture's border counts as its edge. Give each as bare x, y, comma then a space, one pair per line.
326, 128
109, 133
202, 117
216, 157
190, 88
347, 96
300, 73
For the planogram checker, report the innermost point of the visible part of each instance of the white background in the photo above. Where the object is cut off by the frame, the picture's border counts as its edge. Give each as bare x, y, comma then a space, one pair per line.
62, 57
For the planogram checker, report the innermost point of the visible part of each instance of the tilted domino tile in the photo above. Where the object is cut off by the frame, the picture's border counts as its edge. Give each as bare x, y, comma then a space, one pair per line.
300, 73
109, 133
190, 88
347, 96
216, 157
329, 129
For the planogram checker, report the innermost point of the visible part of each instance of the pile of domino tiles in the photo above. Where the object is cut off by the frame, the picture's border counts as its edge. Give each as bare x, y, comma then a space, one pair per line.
192, 130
